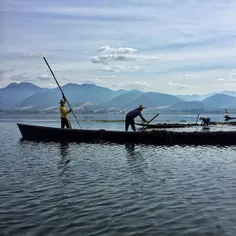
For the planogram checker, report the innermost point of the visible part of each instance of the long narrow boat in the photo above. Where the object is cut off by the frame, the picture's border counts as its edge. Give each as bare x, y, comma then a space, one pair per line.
159, 137
229, 118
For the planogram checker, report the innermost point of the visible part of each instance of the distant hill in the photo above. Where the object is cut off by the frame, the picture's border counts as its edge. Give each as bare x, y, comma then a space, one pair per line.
214, 102
93, 98
122, 101
119, 92
188, 106
42, 99
15, 93
76, 95
153, 100
194, 97
133, 99
197, 97
230, 93
218, 101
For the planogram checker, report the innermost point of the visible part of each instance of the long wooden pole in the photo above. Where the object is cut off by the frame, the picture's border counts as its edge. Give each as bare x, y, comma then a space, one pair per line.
149, 122
63, 95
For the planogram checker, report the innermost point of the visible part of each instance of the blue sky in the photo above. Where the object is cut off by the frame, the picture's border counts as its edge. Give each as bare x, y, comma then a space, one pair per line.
169, 46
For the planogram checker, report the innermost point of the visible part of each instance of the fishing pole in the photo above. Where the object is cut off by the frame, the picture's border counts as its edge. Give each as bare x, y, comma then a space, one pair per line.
63, 95
149, 122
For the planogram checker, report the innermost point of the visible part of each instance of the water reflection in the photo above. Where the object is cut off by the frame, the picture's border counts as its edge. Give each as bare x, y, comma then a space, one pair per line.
132, 152
138, 168
64, 161
130, 148
134, 158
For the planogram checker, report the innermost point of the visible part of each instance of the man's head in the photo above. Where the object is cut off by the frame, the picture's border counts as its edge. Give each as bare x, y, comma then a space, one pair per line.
62, 102
201, 118
140, 107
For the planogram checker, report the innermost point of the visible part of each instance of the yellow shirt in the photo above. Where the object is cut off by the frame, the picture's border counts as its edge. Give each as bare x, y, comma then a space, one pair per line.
64, 112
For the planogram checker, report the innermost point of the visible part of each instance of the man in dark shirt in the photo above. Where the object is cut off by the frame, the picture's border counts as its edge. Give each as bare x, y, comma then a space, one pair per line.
205, 120
227, 117
129, 119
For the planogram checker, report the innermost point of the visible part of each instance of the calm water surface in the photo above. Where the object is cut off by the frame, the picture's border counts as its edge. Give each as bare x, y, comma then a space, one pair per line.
109, 189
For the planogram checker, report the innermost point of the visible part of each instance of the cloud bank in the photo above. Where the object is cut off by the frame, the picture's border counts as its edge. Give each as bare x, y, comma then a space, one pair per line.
186, 43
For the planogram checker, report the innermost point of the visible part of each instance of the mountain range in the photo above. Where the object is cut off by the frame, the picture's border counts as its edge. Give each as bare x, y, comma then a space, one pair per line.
88, 98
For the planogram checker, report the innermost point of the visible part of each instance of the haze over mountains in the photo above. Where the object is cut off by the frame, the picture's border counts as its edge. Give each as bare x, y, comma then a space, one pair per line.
92, 98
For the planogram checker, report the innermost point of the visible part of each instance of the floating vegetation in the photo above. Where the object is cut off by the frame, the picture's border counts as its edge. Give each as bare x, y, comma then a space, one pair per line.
164, 123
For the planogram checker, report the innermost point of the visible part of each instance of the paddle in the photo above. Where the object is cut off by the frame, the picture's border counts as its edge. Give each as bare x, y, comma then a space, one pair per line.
63, 95
148, 122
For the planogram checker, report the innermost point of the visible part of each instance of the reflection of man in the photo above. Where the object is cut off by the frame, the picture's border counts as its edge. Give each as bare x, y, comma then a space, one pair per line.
64, 115
129, 119
130, 147
64, 153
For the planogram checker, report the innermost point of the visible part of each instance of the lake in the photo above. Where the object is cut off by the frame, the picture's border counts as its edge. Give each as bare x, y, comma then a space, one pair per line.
51, 188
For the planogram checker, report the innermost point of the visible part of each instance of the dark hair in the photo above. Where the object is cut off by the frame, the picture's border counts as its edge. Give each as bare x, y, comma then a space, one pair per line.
62, 101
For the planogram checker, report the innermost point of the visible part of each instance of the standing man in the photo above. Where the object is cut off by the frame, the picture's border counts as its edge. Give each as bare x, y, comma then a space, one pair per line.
129, 119
64, 115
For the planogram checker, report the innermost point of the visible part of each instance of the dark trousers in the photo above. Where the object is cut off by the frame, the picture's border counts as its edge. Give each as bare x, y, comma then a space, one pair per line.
65, 122
129, 121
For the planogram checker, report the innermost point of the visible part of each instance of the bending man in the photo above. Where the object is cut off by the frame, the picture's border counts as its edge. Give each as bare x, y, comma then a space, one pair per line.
227, 114
64, 115
205, 120
129, 119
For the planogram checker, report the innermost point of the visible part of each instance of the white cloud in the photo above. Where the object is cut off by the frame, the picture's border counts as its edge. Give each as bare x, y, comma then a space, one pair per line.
107, 49
36, 54
188, 43
178, 85
121, 68
104, 59
227, 80
121, 54
137, 85
20, 78
44, 77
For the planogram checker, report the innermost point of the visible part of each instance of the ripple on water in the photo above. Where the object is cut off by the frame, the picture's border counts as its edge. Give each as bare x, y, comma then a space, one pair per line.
108, 189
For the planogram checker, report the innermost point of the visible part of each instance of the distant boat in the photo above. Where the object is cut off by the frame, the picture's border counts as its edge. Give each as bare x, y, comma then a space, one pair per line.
180, 125
158, 137
229, 118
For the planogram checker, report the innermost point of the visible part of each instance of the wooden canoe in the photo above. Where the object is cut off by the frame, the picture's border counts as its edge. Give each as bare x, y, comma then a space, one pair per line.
158, 137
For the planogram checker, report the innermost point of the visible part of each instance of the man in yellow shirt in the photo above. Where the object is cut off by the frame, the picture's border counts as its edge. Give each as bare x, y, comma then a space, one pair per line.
64, 115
